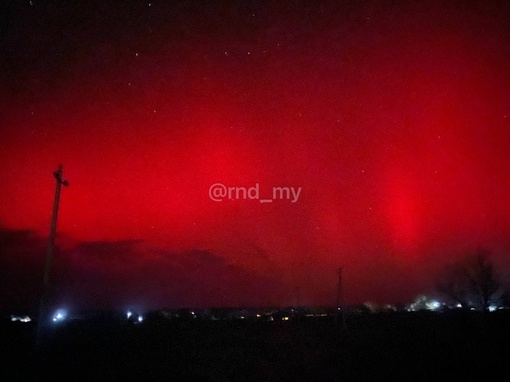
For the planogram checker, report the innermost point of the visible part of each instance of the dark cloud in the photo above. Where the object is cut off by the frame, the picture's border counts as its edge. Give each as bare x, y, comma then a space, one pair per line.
94, 254
117, 274
22, 255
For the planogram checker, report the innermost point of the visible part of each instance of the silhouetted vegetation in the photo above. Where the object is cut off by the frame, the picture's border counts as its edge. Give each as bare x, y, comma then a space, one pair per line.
471, 282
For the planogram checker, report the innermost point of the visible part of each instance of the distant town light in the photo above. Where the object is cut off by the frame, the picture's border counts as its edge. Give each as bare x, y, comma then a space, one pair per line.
140, 318
60, 315
433, 305
129, 314
21, 319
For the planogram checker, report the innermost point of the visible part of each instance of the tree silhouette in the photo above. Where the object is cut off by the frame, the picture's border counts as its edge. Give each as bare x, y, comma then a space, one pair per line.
471, 282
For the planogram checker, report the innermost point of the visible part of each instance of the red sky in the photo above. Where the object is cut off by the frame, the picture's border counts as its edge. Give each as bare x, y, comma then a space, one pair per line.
393, 119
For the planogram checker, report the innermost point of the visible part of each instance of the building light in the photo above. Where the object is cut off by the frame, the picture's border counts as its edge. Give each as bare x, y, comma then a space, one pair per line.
60, 315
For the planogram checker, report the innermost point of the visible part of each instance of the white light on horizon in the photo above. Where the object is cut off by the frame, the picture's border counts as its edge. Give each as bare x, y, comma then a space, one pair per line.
60, 315
21, 318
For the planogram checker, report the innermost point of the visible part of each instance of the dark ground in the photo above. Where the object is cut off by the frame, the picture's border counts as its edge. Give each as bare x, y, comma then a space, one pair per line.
405, 346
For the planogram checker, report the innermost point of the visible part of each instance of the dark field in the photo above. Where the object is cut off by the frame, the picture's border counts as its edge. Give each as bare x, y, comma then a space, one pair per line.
428, 346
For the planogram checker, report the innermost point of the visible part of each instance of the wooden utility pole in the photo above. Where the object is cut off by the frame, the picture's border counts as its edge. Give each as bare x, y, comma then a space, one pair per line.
339, 297
43, 308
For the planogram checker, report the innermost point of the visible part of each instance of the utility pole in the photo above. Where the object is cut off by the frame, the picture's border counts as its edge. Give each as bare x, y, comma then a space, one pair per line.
339, 297
43, 314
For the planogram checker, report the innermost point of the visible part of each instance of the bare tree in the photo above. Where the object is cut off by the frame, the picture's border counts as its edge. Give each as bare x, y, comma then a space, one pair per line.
471, 282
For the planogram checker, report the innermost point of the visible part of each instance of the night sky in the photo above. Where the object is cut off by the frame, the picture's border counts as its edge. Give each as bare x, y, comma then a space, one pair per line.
392, 117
